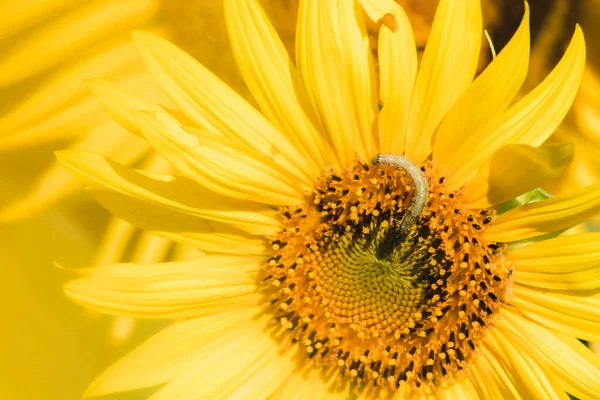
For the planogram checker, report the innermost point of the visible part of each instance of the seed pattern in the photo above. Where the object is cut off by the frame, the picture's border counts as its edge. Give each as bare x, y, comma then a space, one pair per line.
388, 307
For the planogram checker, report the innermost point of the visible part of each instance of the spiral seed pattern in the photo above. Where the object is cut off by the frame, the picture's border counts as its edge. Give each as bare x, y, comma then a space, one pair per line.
385, 304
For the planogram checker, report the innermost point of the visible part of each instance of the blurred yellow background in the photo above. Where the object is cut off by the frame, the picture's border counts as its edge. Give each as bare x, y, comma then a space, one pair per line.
51, 348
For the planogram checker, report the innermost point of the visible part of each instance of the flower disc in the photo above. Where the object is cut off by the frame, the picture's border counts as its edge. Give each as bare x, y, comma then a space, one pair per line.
387, 304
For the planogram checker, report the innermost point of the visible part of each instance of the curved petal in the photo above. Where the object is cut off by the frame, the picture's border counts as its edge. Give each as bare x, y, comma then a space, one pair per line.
250, 366
398, 69
119, 105
491, 381
213, 237
380, 10
455, 35
531, 120
571, 314
63, 37
533, 378
171, 352
221, 165
546, 216
73, 119
516, 169
488, 96
334, 63
569, 359
563, 263
214, 106
272, 78
584, 169
183, 289
180, 197
459, 390
65, 88
310, 384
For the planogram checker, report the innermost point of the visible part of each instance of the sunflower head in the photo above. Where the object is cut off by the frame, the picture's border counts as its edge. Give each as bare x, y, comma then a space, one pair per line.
351, 220
387, 298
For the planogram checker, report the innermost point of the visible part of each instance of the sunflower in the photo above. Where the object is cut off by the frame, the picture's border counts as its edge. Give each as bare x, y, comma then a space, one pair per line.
351, 243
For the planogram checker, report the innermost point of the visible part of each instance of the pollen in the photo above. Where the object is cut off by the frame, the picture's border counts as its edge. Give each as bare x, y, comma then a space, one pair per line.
386, 295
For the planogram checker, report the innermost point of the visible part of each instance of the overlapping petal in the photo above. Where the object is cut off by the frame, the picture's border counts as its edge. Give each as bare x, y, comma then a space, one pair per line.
516, 169
214, 106
569, 359
532, 378
61, 106
455, 35
220, 164
398, 68
183, 289
531, 120
484, 99
570, 262
179, 200
273, 79
334, 60
574, 314
249, 366
546, 216
171, 352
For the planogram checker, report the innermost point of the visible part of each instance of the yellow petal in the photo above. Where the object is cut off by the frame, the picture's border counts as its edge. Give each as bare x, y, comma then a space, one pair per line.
115, 240
272, 78
222, 165
75, 119
563, 263
119, 105
63, 37
184, 202
533, 379
491, 380
574, 315
459, 390
309, 384
447, 69
183, 289
488, 96
516, 169
170, 353
569, 359
321, 51
249, 366
349, 33
398, 69
60, 91
213, 237
55, 183
546, 216
214, 106
383, 11
531, 120
584, 168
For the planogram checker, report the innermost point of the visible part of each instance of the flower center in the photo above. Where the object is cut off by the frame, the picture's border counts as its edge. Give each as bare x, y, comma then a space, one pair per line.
389, 296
